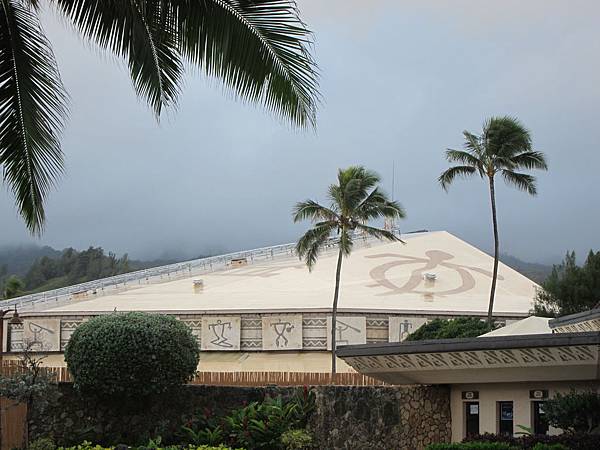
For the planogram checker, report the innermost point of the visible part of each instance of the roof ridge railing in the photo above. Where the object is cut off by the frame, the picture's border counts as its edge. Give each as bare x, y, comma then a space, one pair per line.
153, 275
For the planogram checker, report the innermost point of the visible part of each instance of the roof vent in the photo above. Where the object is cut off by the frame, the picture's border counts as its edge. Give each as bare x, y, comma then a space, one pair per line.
237, 262
198, 286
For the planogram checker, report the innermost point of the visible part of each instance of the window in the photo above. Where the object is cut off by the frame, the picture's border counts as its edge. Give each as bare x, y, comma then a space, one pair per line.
505, 418
471, 418
540, 425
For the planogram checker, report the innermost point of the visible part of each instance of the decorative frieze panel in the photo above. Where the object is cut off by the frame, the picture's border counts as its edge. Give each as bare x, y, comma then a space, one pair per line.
588, 325
282, 332
221, 333
42, 334
314, 332
67, 327
350, 330
251, 332
244, 332
549, 356
401, 327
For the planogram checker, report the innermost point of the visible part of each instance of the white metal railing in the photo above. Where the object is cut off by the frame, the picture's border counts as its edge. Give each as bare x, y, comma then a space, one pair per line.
153, 275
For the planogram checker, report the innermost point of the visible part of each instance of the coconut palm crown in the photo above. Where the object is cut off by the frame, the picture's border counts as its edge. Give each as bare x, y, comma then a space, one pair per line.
354, 201
504, 148
259, 49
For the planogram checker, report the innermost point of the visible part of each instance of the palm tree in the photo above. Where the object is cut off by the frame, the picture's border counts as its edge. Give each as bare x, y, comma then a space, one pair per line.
259, 49
355, 200
504, 147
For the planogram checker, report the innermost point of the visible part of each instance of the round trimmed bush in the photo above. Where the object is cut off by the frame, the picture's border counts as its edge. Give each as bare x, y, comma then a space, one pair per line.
131, 354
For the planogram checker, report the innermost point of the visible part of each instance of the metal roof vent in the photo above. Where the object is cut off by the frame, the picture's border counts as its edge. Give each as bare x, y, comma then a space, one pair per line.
198, 286
429, 279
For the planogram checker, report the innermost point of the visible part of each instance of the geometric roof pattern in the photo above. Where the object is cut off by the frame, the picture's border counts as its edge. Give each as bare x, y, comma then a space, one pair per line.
432, 273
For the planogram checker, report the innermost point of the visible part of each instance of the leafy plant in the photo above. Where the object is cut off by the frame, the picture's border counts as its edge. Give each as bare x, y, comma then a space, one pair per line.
42, 444
258, 425
461, 327
296, 439
210, 436
130, 355
473, 446
541, 446
576, 412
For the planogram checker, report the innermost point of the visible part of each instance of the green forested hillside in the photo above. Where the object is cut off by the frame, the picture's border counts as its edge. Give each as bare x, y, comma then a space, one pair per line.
35, 269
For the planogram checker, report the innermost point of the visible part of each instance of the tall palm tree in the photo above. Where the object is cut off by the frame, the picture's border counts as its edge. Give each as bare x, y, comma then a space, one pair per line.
355, 200
504, 147
257, 48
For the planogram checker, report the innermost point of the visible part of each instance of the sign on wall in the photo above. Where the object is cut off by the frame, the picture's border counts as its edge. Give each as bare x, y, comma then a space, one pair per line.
220, 333
349, 330
42, 334
282, 332
401, 327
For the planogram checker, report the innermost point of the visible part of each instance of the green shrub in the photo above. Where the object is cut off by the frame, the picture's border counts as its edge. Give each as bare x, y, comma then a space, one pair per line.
42, 444
259, 425
577, 412
541, 446
473, 446
89, 446
296, 439
462, 327
131, 355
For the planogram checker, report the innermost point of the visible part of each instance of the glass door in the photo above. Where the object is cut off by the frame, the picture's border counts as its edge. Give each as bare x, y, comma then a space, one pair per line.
472, 418
505, 418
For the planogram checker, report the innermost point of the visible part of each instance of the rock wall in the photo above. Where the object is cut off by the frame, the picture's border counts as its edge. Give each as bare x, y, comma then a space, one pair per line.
381, 417
345, 417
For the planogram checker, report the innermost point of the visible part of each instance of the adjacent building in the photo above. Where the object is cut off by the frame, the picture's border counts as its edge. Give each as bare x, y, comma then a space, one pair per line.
499, 381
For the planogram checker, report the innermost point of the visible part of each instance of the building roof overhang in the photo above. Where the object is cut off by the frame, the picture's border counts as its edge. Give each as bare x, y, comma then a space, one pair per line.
542, 357
584, 321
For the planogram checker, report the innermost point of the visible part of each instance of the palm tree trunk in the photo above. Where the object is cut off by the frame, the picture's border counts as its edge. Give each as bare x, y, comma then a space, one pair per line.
334, 311
496, 248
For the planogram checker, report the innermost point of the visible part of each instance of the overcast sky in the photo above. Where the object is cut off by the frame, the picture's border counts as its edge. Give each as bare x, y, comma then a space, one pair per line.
400, 82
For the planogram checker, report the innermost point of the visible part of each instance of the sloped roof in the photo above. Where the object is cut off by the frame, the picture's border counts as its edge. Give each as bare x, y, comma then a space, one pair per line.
434, 272
530, 325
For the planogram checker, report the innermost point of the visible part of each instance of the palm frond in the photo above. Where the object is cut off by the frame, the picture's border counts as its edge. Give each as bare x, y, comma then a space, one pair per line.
449, 175
464, 158
33, 107
142, 31
309, 246
259, 49
530, 160
521, 181
311, 210
354, 183
506, 136
379, 233
378, 205
473, 143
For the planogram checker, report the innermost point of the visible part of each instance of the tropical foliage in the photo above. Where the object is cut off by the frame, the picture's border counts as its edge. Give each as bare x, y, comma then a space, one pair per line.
576, 412
259, 49
275, 423
355, 200
462, 327
503, 148
131, 355
570, 288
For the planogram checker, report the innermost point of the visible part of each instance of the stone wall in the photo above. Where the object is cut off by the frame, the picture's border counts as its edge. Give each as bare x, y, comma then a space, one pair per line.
361, 418
382, 417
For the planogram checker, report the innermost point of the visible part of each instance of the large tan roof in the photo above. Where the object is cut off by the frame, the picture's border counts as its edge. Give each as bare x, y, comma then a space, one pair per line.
433, 272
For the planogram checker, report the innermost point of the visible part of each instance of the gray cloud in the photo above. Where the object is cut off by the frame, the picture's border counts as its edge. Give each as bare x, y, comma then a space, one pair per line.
401, 80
